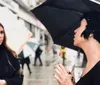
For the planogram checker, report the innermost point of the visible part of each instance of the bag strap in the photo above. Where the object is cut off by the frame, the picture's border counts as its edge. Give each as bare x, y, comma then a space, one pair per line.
10, 62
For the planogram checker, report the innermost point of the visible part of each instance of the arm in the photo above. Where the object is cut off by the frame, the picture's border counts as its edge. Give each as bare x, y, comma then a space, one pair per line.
62, 76
16, 80
12, 81
12, 76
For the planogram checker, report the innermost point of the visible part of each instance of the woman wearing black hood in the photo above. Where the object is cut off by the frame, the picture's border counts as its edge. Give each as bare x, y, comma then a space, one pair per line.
9, 65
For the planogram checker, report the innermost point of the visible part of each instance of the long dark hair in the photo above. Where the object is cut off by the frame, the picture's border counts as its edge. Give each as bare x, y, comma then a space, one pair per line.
4, 43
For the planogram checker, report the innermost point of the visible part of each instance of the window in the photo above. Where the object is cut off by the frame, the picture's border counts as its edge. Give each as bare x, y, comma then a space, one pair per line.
33, 30
28, 25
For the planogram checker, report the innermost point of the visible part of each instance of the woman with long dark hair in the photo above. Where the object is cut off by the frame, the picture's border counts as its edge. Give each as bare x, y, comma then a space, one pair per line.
9, 65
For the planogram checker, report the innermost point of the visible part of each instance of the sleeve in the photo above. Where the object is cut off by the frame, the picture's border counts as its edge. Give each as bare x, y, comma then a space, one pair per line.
16, 80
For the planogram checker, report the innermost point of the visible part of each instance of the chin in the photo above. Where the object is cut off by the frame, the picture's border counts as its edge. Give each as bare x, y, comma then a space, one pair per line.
0, 43
75, 44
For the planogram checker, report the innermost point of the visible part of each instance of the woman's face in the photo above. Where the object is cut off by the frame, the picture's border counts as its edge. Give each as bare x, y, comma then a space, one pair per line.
1, 35
78, 39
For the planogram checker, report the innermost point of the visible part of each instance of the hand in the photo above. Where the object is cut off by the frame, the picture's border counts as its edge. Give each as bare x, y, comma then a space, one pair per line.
3, 82
21, 70
63, 76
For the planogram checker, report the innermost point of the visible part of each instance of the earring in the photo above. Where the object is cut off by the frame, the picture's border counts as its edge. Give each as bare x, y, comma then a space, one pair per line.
91, 35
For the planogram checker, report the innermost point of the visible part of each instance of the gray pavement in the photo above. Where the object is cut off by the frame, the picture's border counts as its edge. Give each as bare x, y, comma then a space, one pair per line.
43, 75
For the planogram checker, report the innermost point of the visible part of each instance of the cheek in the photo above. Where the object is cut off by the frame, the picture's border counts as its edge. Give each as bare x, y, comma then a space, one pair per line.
77, 41
2, 37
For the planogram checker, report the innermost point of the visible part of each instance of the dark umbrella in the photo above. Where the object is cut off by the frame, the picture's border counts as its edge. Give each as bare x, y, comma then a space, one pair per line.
62, 17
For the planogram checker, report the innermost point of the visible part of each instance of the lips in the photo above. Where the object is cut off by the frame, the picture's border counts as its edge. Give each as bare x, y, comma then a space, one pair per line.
0, 40
74, 35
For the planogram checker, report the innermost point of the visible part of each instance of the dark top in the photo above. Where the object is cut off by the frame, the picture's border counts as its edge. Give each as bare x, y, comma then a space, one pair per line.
38, 51
6, 71
92, 77
21, 55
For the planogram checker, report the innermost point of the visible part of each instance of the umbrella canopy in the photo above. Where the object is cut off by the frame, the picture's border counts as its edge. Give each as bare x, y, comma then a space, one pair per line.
28, 51
33, 44
17, 34
62, 17
34, 40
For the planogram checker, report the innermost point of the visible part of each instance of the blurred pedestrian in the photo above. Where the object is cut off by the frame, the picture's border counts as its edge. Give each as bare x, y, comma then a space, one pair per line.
38, 56
54, 50
9, 65
63, 54
24, 60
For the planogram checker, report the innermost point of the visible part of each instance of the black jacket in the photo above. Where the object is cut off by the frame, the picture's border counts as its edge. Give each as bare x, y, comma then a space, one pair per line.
6, 71
92, 77
38, 51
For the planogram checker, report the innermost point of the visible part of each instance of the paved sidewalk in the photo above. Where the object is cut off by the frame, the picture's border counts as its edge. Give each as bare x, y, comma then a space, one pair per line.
40, 76
43, 75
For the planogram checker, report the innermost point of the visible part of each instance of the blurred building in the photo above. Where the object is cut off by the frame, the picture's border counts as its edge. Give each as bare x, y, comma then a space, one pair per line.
22, 8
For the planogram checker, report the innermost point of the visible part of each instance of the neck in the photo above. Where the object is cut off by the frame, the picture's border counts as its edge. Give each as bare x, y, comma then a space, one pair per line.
92, 52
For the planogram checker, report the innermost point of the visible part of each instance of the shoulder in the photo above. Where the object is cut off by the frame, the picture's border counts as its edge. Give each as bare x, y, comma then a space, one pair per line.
14, 60
96, 70
96, 74
98, 66
10, 54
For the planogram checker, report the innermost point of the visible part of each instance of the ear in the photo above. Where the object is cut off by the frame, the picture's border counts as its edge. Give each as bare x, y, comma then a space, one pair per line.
91, 35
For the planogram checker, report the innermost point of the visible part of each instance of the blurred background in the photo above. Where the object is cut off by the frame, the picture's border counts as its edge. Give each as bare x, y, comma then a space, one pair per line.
41, 68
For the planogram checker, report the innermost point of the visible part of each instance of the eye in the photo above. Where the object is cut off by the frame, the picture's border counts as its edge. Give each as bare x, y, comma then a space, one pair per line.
1, 32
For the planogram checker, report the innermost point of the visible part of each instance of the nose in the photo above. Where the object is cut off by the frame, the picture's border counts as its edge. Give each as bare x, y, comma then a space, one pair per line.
0, 35
75, 30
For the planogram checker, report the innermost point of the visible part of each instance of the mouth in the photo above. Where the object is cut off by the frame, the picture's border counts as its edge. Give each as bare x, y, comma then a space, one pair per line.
74, 36
0, 40
74, 39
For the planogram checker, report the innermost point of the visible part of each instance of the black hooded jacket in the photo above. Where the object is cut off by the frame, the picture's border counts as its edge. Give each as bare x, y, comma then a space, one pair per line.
7, 72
